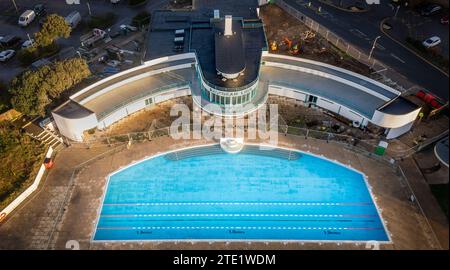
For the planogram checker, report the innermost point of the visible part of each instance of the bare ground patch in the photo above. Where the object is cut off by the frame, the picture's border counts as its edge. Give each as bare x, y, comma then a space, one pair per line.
280, 25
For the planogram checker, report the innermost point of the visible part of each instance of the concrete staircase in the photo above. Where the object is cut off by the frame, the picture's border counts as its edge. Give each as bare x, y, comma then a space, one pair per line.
45, 135
50, 138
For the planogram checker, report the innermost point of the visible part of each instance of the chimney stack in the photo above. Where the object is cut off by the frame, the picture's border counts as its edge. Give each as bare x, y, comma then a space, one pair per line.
228, 25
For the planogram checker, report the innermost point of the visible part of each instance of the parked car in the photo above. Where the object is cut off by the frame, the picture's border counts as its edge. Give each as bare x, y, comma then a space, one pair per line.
73, 19
28, 43
27, 17
10, 41
128, 28
40, 10
431, 42
6, 55
430, 9
444, 20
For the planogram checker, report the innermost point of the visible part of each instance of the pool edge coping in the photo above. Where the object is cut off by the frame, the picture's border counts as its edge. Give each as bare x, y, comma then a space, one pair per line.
320, 156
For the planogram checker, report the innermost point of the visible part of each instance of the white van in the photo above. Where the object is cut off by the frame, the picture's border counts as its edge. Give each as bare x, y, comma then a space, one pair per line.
27, 17
73, 19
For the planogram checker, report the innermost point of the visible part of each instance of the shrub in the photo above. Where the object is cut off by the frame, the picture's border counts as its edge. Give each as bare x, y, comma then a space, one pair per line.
19, 156
4, 98
53, 28
33, 90
28, 56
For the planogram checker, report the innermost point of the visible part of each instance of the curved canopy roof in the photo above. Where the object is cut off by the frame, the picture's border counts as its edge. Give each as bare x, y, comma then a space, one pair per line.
229, 50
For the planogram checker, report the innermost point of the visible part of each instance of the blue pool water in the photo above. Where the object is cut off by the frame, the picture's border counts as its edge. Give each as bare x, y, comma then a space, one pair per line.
205, 193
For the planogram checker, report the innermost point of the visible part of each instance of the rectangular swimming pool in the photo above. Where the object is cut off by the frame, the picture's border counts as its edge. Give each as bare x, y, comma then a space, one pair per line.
206, 194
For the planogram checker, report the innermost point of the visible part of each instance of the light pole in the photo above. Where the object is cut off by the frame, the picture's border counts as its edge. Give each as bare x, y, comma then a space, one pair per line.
89, 8
373, 46
29, 38
14, 3
396, 11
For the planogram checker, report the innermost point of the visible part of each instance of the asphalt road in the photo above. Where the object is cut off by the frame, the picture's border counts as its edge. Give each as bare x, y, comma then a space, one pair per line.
361, 29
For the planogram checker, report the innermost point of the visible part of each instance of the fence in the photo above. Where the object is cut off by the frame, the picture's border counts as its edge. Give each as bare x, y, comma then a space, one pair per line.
362, 146
388, 75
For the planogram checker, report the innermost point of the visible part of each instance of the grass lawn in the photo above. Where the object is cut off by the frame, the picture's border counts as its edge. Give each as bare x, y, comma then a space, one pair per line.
441, 194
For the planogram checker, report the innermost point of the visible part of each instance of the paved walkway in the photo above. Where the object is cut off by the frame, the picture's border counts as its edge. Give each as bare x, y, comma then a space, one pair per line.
428, 203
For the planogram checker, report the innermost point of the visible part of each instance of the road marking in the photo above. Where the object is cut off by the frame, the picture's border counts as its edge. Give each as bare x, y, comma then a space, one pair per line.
398, 58
353, 30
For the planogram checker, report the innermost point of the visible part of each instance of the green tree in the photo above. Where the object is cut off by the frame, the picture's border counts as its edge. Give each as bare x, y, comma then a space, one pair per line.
54, 27
33, 90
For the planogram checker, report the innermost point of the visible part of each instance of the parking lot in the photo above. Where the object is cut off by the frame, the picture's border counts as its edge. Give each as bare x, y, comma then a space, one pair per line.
9, 22
421, 28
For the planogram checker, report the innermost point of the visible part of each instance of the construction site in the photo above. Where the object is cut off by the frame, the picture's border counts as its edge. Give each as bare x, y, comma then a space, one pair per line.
288, 36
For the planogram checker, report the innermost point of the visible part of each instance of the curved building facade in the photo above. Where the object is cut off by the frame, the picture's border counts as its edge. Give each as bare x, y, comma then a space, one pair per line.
226, 68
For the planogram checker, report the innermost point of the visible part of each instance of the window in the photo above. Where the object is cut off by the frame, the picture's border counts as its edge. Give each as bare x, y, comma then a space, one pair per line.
148, 101
312, 99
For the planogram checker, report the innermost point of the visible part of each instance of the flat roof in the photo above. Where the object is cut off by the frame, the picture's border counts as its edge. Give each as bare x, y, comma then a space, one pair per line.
399, 106
118, 79
348, 96
229, 50
118, 97
72, 110
381, 90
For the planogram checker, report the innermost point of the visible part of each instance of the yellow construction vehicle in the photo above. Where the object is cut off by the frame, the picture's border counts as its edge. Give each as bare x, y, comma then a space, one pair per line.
273, 46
